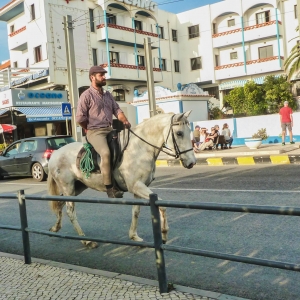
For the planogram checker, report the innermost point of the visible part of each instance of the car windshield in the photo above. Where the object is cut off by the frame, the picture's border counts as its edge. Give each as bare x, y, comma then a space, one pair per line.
58, 142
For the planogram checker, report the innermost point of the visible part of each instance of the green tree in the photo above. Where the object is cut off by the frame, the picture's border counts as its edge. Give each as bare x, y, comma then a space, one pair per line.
277, 90
236, 100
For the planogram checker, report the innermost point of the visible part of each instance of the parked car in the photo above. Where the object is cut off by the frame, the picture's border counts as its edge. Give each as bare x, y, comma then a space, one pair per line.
30, 156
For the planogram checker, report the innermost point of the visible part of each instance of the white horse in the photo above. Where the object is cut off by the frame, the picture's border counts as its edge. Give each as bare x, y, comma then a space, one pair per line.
133, 173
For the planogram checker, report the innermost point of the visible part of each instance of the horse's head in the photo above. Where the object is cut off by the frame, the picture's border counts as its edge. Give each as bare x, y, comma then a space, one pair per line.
178, 139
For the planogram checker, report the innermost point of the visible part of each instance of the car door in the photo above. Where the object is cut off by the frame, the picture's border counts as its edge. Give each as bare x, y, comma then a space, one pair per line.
8, 162
24, 157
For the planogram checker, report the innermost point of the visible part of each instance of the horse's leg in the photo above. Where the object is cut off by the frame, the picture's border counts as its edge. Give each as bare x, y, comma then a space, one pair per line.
134, 222
73, 218
57, 207
140, 190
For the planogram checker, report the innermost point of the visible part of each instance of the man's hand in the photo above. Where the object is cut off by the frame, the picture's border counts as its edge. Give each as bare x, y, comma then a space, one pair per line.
127, 124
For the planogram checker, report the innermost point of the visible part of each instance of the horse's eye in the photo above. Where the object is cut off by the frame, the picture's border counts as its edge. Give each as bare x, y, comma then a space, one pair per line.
179, 133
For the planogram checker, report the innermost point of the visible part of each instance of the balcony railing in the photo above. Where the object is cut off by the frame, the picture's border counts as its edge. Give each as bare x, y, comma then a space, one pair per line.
17, 31
128, 29
249, 62
124, 66
245, 29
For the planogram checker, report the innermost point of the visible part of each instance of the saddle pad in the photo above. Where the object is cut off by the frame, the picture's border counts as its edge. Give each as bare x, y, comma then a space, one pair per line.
94, 156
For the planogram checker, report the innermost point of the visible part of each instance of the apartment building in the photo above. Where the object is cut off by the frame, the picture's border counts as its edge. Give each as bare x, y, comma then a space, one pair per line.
217, 47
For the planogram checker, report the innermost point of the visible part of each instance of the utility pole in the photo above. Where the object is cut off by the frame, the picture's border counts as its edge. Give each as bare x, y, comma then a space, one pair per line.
71, 66
150, 80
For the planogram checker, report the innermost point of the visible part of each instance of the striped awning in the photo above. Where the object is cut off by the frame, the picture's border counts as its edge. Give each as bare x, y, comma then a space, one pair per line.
238, 83
3, 111
36, 114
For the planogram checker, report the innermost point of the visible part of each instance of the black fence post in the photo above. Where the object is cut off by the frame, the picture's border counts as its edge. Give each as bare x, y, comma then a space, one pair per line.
159, 252
24, 225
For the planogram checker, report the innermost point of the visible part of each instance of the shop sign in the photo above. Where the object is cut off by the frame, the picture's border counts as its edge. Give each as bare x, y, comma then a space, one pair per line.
44, 119
5, 99
145, 4
38, 98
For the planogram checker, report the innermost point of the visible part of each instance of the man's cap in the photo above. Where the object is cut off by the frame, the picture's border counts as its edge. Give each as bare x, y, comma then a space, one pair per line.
96, 69
286, 102
197, 126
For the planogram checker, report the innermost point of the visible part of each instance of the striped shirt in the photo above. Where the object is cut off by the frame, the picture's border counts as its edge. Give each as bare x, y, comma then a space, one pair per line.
96, 109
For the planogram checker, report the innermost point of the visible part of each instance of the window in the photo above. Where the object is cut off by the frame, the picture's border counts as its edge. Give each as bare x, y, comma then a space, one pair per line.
38, 54
196, 63
119, 95
163, 65
32, 12
214, 28
161, 32
15, 64
231, 22
263, 17
176, 66
114, 57
233, 55
111, 19
92, 24
295, 11
12, 28
95, 61
138, 25
265, 52
141, 60
174, 35
217, 60
193, 31
27, 63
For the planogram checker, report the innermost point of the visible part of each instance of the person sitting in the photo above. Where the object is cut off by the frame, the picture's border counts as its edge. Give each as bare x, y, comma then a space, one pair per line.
227, 134
205, 141
214, 137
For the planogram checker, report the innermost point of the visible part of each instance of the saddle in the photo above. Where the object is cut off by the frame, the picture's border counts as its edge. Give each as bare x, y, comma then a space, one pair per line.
114, 147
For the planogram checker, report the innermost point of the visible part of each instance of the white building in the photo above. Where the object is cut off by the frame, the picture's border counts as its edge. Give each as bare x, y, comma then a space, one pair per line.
217, 47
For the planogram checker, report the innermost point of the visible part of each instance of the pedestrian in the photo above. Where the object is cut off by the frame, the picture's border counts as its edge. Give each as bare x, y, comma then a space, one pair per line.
95, 111
227, 134
286, 120
196, 134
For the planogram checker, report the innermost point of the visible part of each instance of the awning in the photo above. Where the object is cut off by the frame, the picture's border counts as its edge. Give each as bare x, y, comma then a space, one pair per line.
111, 88
36, 114
3, 111
238, 83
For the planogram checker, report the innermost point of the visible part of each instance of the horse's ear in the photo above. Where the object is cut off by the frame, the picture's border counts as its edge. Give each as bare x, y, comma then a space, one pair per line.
186, 114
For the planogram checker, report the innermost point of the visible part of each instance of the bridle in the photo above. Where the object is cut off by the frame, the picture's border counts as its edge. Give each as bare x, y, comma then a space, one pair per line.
164, 145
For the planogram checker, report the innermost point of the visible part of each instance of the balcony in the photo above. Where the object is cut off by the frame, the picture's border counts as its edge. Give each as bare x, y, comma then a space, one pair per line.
123, 35
257, 66
18, 40
251, 33
131, 72
11, 10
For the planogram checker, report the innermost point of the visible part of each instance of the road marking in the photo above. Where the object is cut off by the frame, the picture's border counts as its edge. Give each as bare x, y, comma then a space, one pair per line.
18, 183
222, 190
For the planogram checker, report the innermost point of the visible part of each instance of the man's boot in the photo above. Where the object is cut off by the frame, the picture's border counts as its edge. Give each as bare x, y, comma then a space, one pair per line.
114, 193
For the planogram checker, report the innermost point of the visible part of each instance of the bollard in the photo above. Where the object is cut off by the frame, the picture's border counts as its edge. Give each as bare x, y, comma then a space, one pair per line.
24, 225
159, 252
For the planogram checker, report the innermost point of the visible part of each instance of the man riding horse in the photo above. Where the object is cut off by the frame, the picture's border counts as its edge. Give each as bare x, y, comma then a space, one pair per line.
95, 111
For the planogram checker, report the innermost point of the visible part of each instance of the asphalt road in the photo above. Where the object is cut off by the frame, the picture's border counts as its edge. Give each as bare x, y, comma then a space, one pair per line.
263, 236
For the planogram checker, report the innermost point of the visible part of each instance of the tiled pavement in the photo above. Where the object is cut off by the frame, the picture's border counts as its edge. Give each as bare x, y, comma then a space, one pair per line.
51, 280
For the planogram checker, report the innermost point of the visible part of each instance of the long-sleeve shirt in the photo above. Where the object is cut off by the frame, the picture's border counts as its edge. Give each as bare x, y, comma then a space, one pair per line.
96, 109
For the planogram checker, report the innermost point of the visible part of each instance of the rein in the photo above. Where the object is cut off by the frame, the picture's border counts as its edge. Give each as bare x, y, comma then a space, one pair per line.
177, 150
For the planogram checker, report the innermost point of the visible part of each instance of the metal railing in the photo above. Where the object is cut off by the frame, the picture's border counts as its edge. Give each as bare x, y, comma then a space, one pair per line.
158, 245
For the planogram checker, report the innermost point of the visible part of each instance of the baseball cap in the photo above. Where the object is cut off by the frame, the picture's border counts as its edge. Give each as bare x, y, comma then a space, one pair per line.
96, 69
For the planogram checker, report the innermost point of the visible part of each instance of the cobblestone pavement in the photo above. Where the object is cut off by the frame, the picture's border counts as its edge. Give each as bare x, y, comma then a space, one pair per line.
39, 281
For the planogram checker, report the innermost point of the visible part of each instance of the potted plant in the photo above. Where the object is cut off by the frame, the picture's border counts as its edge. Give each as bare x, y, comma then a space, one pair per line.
257, 138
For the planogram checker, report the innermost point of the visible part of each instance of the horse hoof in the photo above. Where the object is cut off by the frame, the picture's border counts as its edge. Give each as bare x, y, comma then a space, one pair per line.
136, 238
90, 245
164, 241
54, 229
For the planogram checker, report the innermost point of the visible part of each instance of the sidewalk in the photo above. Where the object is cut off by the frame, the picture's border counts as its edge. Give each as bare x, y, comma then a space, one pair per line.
241, 155
44, 279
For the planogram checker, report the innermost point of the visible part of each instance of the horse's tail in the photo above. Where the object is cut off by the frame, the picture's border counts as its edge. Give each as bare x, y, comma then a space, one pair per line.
53, 190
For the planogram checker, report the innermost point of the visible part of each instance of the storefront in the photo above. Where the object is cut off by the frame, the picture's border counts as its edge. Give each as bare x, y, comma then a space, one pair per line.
35, 113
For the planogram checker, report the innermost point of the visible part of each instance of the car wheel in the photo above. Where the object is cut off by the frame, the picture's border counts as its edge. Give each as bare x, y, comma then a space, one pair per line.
38, 172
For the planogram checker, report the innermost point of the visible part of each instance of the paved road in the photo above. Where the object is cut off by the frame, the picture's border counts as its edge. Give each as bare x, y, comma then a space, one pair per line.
269, 237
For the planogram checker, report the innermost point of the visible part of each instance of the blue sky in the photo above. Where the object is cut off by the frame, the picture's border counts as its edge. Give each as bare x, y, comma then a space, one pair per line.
174, 6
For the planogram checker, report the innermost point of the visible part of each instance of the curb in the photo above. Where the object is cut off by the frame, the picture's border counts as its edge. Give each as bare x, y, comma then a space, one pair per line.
180, 288
281, 159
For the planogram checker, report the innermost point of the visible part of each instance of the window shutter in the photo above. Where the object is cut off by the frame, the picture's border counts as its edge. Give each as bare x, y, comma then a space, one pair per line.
103, 59
120, 20
33, 58
123, 58
144, 26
